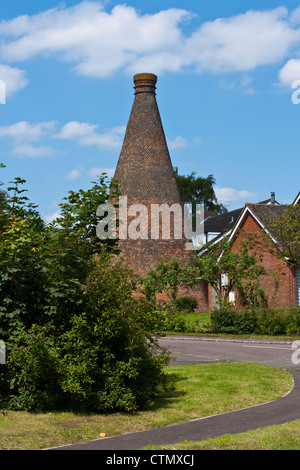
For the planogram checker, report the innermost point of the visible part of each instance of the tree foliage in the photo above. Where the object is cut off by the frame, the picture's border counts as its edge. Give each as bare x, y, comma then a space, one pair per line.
286, 230
198, 190
242, 267
74, 335
168, 276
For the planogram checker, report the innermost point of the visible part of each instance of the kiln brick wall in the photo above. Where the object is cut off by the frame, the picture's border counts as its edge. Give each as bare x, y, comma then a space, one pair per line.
145, 175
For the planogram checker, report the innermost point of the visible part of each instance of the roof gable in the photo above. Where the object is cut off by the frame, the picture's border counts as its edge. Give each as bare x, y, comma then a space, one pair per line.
297, 199
262, 214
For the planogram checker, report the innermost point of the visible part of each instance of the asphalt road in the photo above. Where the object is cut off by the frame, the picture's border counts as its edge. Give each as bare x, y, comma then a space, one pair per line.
190, 349
186, 350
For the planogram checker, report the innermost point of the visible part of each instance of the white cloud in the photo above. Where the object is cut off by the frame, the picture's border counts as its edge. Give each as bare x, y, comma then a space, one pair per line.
51, 217
23, 134
95, 172
74, 174
13, 78
229, 195
86, 135
289, 73
180, 142
96, 41
26, 132
100, 43
28, 150
295, 17
76, 130
242, 42
242, 84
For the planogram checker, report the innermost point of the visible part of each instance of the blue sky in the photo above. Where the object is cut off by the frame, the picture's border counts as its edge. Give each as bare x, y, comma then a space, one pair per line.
225, 71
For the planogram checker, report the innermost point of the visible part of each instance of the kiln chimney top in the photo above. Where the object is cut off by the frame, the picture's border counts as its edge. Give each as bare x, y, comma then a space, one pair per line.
145, 83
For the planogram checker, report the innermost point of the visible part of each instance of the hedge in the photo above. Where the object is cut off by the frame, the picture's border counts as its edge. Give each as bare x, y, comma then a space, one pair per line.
260, 322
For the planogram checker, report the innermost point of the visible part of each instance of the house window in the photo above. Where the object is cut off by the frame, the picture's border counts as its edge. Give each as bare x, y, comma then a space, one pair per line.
231, 297
224, 279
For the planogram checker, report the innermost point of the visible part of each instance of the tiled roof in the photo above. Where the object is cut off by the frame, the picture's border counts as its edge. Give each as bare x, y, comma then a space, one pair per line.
223, 222
266, 213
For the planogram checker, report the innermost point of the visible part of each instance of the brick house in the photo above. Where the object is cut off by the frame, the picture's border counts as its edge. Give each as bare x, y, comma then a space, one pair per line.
254, 219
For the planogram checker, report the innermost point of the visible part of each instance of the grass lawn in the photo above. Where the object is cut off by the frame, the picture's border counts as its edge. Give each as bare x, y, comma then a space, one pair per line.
200, 390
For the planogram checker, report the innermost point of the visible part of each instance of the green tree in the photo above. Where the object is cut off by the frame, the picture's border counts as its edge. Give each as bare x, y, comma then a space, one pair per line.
243, 268
198, 190
22, 275
70, 245
285, 228
168, 277
43, 266
74, 335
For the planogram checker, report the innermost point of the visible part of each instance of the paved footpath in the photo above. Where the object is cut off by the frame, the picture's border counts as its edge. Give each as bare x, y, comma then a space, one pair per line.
278, 411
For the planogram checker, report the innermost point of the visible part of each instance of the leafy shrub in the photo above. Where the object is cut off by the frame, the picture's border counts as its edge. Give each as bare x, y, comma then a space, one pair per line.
172, 320
34, 369
272, 322
106, 360
263, 322
75, 337
246, 322
293, 321
224, 321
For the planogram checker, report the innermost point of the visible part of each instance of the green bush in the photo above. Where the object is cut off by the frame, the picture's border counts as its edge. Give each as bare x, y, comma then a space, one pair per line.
185, 304
293, 321
34, 371
74, 335
246, 322
224, 321
262, 322
272, 322
172, 321
107, 359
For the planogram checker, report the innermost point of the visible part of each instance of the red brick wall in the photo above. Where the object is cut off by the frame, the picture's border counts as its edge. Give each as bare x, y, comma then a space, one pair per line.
285, 296
200, 292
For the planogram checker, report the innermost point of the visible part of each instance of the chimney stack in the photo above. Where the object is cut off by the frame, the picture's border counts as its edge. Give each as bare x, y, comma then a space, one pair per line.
272, 198
145, 83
